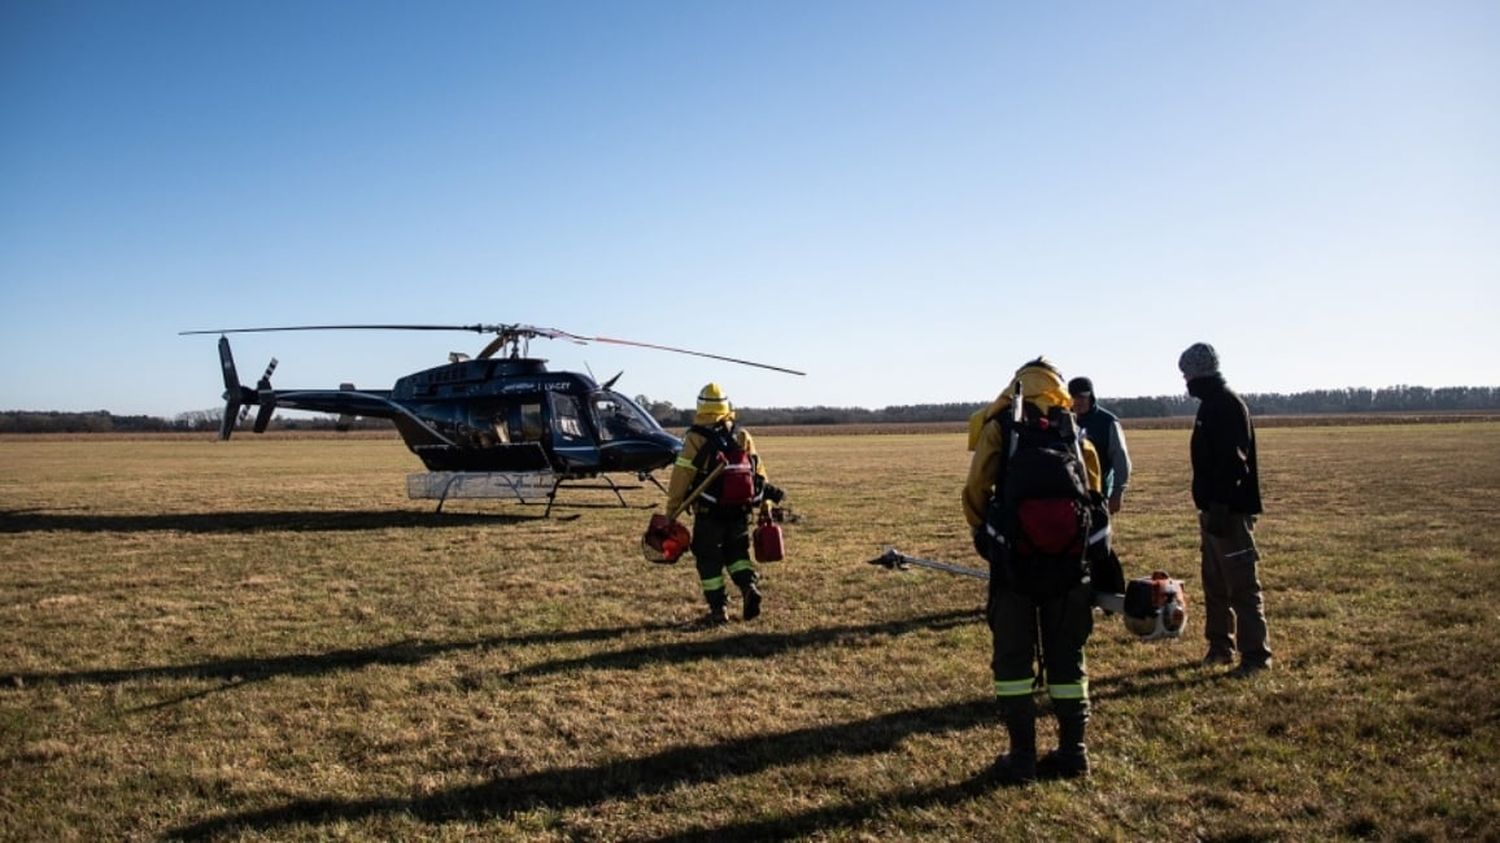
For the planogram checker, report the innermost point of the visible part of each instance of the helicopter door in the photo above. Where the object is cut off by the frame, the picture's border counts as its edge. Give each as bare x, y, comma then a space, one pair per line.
505, 437
571, 441
526, 424
484, 427
499, 422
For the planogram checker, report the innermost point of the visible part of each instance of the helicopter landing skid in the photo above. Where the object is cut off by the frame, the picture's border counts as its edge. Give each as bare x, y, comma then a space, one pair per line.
573, 484
523, 486
646, 475
526, 487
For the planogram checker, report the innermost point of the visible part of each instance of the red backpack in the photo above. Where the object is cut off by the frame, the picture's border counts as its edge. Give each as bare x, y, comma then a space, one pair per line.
735, 486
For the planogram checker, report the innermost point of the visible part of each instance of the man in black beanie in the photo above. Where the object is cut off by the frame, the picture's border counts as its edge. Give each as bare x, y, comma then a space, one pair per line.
1226, 490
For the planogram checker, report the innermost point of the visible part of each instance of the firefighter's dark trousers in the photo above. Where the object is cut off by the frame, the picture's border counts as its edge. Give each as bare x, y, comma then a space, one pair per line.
1062, 626
722, 540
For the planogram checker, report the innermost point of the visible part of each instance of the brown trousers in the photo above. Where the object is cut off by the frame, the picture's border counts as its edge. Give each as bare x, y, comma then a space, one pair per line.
1233, 613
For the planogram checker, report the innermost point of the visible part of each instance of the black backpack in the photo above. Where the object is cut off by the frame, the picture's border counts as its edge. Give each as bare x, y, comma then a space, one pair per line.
1038, 522
738, 486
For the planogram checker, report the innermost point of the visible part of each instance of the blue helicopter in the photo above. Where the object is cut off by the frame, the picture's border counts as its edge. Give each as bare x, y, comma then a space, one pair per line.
500, 411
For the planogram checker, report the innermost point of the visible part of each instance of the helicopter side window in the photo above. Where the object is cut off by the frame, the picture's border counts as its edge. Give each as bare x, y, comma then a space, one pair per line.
501, 425
484, 427
530, 427
566, 423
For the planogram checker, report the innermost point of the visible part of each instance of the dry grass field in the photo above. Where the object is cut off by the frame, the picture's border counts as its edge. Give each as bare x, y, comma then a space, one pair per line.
264, 639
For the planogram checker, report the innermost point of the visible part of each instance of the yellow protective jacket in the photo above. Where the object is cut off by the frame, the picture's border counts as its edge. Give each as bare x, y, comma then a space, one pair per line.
686, 469
1040, 385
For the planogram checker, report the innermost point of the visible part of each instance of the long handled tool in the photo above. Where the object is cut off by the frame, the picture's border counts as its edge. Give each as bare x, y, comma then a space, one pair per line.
693, 495
895, 560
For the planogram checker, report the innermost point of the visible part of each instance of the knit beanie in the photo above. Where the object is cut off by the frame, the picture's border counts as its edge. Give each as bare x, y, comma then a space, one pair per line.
1078, 385
1199, 361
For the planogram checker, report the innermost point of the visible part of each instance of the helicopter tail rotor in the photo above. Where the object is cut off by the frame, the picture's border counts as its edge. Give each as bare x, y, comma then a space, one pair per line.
237, 398
232, 402
267, 398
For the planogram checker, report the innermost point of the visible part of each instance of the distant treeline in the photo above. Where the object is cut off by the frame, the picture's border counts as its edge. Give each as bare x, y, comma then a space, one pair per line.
103, 421
1404, 399
1394, 399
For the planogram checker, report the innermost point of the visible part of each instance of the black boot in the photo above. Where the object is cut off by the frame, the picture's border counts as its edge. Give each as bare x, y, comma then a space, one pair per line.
718, 601
1071, 758
1018, 766
752, 602
746, 581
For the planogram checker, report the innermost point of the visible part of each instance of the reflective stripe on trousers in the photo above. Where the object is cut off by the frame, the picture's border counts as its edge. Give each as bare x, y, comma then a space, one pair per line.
1014, 687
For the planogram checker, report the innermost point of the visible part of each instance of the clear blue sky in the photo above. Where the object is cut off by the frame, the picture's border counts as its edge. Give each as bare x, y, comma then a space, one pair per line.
905, 199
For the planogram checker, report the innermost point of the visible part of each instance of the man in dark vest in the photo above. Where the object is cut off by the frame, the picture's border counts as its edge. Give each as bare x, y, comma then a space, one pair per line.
1226, 490
1103, 429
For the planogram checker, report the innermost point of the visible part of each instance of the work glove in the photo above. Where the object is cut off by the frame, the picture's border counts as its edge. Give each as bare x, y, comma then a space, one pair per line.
774, 493
1218, 520
980, 540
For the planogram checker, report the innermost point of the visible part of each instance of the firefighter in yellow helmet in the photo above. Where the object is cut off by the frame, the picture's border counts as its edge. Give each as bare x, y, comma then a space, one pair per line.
721, 522
1033, 485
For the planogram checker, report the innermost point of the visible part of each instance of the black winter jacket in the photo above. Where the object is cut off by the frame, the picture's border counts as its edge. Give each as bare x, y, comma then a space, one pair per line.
1223, 449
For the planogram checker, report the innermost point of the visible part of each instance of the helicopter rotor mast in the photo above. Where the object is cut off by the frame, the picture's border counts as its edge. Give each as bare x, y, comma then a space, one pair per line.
505, 335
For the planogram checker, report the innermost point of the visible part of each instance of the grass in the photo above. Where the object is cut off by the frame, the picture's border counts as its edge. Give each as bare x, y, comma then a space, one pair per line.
265, 639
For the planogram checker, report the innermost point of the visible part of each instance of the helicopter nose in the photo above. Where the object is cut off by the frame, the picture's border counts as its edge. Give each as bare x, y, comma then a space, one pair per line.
665, 449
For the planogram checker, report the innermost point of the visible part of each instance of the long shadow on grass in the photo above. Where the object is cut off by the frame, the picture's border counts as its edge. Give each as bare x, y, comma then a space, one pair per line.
242, 671
758, 645
580, 787
1151, 682
22, 521
823, 820
1168, 679
625, 779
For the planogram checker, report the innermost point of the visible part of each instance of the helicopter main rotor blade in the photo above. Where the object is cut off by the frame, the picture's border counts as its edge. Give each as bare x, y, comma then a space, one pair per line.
685, 351
480, 329
505, 335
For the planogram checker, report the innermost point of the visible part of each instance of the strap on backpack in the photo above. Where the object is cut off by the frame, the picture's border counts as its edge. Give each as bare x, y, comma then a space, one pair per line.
718, 438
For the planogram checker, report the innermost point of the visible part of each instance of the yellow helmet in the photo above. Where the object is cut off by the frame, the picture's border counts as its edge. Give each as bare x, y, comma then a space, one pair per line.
1041, 384
713, 402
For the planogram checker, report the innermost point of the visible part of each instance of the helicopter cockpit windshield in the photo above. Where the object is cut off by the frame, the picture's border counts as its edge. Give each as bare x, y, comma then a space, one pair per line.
619, 417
